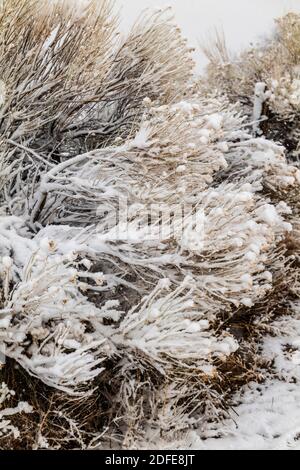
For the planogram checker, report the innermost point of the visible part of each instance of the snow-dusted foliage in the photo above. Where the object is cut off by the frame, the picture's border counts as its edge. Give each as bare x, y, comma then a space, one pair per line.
7, 429
264, 78
140, 219
47, 307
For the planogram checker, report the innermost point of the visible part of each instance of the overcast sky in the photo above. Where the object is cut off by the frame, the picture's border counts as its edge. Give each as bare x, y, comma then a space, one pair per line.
243, 21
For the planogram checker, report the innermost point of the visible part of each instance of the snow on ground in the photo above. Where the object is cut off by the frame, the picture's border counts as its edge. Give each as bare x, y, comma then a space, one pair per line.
268, 419
267, 416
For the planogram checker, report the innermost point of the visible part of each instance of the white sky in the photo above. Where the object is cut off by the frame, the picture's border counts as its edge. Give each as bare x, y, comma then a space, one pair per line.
243, 21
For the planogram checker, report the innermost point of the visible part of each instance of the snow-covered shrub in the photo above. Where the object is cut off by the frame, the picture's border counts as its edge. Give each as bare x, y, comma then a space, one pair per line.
220, 256
178, 150
70, 84
169, 331
46, 323
273, 64
140, 218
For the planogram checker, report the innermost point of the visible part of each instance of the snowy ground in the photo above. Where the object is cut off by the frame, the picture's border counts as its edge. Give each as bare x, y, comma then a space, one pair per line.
268, 419
268, 416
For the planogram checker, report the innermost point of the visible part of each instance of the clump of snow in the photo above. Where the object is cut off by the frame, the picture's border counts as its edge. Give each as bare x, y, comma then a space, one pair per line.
215, 122
268, 214
141, 140
6, 428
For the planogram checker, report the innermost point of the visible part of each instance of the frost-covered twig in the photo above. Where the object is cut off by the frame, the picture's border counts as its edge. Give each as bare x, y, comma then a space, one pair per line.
6, 428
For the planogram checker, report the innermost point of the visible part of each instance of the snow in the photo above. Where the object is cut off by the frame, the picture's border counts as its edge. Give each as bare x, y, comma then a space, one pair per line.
2, 93
141, 138
247, 302
264, 416
295, 96
215, 121
177, 282
192, 238
268, 214
268, 419
7, 262
6, 428
260, 97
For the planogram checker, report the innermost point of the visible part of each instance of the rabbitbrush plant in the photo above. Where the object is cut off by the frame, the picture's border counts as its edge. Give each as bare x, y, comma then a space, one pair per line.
146, 237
